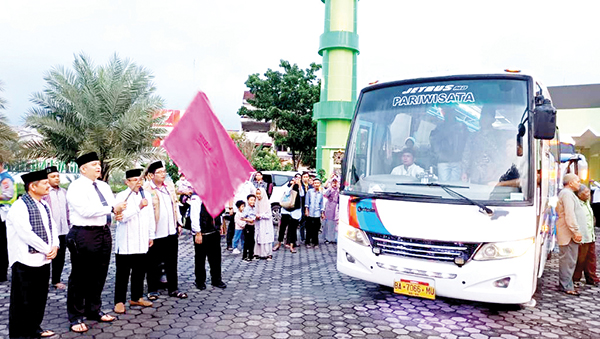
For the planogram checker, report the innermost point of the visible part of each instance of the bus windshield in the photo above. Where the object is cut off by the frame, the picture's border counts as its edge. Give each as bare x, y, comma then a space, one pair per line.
414, 140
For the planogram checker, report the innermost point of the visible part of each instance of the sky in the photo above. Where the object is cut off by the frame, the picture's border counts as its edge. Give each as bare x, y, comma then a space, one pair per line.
214, 46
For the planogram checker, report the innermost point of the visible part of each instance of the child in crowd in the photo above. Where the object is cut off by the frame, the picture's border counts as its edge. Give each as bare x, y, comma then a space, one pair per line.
249, 216
264, 226
239, 227
314, 212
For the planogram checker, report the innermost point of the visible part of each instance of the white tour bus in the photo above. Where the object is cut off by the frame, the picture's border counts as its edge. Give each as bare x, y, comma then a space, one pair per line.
449, 186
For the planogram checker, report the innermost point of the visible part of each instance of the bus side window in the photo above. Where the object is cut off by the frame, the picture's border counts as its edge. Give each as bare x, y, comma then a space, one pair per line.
362, 149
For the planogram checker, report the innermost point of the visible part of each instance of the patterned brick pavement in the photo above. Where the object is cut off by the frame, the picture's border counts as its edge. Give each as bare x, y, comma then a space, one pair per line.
303, 296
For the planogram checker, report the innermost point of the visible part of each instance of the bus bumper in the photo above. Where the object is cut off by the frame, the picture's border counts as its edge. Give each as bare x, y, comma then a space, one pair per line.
476, 280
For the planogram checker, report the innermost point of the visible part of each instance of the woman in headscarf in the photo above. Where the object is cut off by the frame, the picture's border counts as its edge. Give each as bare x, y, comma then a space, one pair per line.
331, 210
264, 235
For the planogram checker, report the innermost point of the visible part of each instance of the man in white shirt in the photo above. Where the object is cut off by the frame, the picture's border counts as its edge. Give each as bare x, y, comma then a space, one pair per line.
408, 167
168, 228
91, 204
57, 200
33, 243
133, 236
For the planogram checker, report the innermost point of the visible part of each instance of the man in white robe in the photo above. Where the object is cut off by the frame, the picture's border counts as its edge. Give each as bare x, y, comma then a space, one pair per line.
133, 237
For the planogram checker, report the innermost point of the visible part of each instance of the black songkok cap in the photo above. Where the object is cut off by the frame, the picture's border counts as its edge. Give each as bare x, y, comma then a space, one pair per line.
51, 169
133, 173
34, 176
154, 166
84, 159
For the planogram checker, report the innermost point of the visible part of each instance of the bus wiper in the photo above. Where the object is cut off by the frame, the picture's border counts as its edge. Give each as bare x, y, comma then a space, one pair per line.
360, 196
409, 195
448, 188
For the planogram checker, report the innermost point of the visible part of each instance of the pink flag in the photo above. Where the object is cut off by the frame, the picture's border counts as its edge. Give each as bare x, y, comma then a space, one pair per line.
204, 151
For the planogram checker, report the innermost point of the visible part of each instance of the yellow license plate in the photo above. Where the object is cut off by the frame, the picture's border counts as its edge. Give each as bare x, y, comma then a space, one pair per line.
415, 288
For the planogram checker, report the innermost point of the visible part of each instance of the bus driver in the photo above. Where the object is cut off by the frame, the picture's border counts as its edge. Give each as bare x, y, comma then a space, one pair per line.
408, 167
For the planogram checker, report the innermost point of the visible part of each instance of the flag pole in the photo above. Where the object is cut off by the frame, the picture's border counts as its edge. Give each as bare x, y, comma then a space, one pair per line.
144, 173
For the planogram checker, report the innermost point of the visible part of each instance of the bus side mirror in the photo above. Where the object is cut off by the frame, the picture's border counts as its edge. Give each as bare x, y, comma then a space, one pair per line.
544, 119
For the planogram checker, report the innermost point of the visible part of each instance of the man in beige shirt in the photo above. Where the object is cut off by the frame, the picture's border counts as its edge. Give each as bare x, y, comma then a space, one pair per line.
567, 233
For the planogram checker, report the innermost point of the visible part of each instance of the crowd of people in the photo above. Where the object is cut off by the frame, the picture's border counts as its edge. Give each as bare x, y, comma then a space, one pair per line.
148, 216
308, 208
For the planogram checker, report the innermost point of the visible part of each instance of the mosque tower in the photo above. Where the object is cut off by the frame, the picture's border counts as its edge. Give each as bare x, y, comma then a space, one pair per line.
334, 111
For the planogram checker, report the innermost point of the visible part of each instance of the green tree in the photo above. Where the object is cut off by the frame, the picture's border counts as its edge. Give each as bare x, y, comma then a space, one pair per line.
172, 169
106, 109
266, 160
9, 145
248, 149
286, 98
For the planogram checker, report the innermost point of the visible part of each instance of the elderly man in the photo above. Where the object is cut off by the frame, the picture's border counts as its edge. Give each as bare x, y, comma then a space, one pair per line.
567, 233
57, 200
133, 236
165, 248
33, 243
91, 203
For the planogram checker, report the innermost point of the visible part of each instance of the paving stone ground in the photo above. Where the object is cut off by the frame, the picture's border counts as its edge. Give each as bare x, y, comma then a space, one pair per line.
302, 295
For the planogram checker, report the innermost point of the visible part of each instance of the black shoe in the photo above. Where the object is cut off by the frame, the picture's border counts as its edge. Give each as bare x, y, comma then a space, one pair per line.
220, 285
201, 287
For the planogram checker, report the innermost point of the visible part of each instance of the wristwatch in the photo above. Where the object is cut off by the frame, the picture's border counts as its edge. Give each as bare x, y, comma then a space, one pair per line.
112, 209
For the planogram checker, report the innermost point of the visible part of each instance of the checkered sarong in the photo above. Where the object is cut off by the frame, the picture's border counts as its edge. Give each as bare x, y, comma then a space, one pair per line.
36, 221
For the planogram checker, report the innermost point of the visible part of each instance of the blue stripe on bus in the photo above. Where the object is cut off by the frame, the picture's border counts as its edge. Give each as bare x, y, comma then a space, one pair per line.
368, 217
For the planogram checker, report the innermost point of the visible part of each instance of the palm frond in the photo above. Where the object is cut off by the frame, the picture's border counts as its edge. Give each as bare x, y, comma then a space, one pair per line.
107, 109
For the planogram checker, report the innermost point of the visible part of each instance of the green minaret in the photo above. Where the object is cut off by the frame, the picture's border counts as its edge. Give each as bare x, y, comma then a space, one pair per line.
339, 48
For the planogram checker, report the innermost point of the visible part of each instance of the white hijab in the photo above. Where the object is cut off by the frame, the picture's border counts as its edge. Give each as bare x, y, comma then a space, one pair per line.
262, 206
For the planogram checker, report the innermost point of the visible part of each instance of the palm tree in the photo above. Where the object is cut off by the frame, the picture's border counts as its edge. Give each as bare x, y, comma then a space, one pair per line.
8, 137
106, 109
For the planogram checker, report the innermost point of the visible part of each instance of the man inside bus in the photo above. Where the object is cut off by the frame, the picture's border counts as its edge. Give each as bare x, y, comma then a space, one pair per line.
408, 167
512, 177
448, 143
483, 150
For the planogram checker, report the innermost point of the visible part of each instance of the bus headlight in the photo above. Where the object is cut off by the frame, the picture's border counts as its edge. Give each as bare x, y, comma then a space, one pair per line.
356, 235
503, 250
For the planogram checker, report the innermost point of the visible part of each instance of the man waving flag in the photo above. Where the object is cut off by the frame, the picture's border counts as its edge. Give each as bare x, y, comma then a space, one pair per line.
204, 151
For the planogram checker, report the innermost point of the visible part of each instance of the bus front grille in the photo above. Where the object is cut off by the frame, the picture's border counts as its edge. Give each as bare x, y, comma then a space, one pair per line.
455, 252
